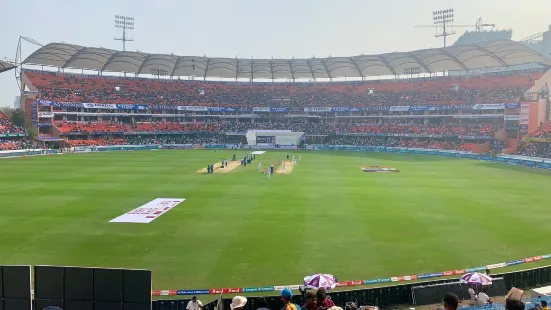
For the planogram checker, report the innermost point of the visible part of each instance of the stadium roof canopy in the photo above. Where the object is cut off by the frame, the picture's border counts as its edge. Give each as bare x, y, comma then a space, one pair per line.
501, 53
6, 66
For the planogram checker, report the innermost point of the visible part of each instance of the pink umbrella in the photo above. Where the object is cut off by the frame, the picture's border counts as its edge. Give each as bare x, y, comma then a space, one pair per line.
323, 281
476, 278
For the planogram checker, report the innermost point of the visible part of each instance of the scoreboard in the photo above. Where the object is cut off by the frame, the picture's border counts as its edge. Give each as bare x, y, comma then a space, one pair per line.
265, 139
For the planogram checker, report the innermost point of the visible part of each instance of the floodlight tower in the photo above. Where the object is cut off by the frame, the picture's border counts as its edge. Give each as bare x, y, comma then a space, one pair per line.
125, 23
444, 18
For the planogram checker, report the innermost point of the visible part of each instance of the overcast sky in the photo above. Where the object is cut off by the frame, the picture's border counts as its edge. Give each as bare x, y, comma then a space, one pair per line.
246, 28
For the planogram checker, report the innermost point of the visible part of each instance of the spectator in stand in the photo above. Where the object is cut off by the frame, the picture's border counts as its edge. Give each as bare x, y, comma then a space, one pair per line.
514, 304
451, 301
543, 306
310, 300
286, 296
323, 301
472, 294
194, 304
482, 297
238, 302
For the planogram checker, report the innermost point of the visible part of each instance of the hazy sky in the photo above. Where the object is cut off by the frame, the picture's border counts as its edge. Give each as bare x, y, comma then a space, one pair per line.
245, 28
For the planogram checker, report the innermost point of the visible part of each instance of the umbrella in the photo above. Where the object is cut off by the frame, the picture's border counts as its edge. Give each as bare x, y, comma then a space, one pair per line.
476, 278
323, 281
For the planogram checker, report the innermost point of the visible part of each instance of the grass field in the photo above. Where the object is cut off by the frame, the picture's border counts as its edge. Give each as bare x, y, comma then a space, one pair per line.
240, 229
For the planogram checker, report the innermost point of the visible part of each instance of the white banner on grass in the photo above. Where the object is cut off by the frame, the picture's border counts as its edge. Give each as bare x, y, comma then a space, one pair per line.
149, 211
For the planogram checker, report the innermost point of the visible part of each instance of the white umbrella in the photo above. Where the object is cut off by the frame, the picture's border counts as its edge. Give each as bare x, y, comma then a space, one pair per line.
476, 278
323, 281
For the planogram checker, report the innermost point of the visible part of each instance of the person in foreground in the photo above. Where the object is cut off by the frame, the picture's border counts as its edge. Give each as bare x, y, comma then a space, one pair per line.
323, 301
311, 301
194, 304
238, 302
451, 301
514, 304
543, 306
286, 296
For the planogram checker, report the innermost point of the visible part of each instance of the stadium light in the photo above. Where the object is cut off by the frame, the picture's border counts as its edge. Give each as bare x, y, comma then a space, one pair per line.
445, 19
124, 23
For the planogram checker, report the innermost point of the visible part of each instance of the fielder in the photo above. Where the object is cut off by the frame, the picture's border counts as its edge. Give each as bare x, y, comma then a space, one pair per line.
259, 165
299, 157
269, 173
294, 161
283, 167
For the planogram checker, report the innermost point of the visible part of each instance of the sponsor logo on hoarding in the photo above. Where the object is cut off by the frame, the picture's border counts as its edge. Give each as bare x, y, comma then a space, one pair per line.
192, 292
291, 287
511, 117
515, 262
45, 114
493, 266
399, 108
320, 109
149, 211
192, 108
258, 289
494, 106
261, 109
99, 106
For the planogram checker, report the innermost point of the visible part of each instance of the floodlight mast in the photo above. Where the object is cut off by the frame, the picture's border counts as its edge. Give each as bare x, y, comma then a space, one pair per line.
125, 23
444, 18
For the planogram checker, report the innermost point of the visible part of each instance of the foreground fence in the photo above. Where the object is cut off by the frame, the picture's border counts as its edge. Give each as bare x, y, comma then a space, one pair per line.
78, 288
381, 296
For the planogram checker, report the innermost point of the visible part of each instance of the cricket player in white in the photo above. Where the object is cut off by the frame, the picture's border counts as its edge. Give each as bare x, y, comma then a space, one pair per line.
259, 165
283, 167
294, 161
299, 157
269, 172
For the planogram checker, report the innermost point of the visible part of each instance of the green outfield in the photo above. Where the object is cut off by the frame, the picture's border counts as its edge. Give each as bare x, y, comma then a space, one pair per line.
240, 229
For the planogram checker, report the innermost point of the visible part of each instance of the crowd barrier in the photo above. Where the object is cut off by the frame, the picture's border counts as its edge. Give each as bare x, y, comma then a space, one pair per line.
535, 162
404, 278
30, 152
384, 296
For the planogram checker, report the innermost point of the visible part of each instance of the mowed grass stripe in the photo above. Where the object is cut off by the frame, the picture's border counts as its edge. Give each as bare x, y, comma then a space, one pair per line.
240, 229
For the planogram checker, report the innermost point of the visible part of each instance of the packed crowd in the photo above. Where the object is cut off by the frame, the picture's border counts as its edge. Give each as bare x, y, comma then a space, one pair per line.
91, 127
395, 142
7, 127
11, 145
535, 149
437, 90
394, 127
544, 131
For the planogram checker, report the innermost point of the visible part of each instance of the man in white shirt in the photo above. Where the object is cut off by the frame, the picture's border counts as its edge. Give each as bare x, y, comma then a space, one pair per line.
472, 293
483, 298
194, 304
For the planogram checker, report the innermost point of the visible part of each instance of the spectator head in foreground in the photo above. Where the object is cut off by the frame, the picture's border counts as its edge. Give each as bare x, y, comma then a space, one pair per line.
322, 300
544, 305
451, 301
514, 304
311, 301
286, 296
52, 308
238, 302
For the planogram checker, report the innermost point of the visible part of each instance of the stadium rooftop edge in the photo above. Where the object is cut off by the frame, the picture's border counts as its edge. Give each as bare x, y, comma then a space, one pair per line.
5, 66
500, 53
